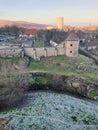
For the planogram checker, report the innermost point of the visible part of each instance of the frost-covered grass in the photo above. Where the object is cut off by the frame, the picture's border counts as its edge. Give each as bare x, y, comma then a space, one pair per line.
52, 111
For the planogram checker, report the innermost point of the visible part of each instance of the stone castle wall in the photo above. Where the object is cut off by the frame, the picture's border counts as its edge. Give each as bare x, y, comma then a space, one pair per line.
11, 52
68, 48
37, 52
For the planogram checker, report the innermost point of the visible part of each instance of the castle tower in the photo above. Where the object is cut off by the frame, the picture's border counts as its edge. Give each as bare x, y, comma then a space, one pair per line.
60, 22
72, 44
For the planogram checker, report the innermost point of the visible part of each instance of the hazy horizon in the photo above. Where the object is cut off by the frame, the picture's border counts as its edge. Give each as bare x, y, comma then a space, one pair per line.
46, 11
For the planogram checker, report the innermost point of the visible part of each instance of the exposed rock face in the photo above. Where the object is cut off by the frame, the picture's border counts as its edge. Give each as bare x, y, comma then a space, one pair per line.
80, 86
87, 66
72, 83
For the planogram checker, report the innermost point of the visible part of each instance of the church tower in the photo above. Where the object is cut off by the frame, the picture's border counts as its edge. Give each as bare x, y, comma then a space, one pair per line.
60, 23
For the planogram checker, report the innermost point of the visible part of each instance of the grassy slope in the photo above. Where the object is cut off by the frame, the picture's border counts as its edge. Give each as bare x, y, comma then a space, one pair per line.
63, 65
67, 66
56, 65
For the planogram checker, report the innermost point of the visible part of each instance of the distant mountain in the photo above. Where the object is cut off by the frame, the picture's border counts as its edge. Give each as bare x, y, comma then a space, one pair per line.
87, 27
23, 24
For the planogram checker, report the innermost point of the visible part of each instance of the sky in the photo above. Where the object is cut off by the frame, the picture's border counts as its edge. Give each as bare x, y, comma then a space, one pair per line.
46, 11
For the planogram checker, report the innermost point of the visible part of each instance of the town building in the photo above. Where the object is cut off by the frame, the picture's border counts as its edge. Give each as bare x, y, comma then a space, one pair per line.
50, 27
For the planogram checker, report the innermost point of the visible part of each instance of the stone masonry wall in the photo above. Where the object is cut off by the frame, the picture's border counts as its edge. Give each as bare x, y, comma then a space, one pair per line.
37, 53
72, 48
11, 52
68, 48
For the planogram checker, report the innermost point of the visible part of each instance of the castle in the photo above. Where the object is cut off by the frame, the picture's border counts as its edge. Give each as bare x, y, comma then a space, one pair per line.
69, 47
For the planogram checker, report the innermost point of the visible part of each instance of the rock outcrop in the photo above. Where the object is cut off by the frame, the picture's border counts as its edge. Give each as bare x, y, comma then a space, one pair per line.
73, 84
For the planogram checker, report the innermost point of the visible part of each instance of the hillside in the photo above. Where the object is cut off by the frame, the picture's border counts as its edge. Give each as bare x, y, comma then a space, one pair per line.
73, 74
49, 109
80, 65
21, 24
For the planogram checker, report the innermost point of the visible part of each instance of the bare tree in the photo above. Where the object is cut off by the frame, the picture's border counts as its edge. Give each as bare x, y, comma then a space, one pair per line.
13, 84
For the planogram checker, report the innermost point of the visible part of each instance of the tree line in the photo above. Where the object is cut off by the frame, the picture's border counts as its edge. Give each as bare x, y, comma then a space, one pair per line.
55, 35
10, 30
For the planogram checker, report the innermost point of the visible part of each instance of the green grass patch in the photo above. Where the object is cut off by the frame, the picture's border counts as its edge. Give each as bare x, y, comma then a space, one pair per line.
57, 64
38, 44
11, 60
63, 65
91, 75
40, 80
94, 93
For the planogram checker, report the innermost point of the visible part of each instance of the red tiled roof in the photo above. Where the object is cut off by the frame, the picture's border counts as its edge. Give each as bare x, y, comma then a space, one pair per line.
28, 31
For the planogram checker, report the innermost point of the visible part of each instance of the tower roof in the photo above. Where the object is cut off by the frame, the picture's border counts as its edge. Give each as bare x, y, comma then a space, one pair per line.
72, 37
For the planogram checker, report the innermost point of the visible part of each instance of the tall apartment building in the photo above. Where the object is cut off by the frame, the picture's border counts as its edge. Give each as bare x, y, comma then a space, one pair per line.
60, 23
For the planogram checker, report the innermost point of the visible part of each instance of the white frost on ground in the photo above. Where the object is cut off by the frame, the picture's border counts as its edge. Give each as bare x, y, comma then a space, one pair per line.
52, 111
